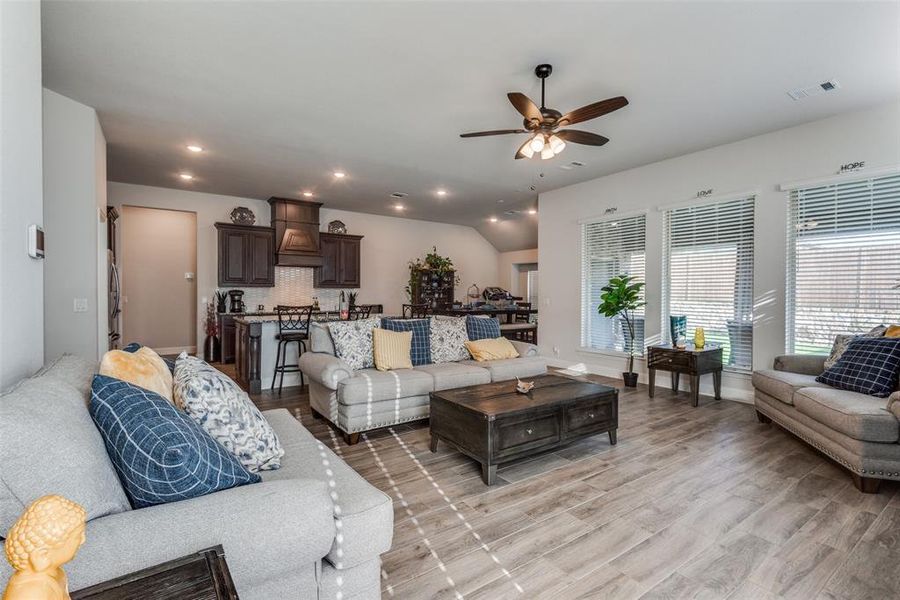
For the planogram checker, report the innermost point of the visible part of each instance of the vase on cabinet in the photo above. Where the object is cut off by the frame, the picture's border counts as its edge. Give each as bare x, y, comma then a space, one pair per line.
212, 349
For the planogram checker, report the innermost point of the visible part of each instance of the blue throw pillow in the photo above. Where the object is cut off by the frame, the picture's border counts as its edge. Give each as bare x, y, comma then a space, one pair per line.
134, 347
420, 354
868, 366
160, 454
482, 328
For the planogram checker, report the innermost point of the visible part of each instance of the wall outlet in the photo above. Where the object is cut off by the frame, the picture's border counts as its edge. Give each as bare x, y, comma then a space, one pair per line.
80, 305
556, 351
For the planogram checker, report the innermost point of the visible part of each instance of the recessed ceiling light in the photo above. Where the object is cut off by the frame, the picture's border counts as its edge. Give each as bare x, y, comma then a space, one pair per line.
532, 211
442, 192
340, 174
493, 219
194, 148
398, 207
308, 194
186, 176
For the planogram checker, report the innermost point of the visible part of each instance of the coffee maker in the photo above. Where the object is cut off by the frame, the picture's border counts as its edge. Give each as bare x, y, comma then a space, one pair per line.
237, 302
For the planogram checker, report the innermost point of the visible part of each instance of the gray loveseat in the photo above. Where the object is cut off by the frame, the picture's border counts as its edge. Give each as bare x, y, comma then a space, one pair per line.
280, 536
859, 432
367, 399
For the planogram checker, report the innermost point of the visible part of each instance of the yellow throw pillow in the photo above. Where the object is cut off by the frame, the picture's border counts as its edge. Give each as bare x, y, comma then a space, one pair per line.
893, 331
491, 349
392, 349
143, 368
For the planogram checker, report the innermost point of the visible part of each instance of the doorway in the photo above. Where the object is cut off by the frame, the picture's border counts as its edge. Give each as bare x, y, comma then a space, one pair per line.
158, 266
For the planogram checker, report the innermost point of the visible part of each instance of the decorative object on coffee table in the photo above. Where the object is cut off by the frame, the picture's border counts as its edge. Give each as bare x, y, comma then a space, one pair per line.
494, 424
46, 536
621, 298
677, 328
337, 227
242, 215
523, 387
691, 361
200, 576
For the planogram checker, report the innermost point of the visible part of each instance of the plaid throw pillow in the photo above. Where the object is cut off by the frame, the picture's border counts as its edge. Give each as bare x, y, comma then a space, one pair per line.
482, 328
421, 339
868, 366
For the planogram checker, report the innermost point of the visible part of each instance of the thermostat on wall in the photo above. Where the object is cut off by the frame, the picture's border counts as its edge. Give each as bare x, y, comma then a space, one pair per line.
35, 241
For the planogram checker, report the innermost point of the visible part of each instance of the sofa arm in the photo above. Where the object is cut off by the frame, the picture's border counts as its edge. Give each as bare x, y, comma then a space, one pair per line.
806, 364
524, 348
325, 369
268, 530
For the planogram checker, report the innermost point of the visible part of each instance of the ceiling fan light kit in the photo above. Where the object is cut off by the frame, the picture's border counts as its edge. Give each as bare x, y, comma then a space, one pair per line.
543, 123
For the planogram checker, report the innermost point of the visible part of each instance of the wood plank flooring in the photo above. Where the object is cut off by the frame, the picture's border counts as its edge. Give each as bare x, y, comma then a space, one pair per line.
692, 503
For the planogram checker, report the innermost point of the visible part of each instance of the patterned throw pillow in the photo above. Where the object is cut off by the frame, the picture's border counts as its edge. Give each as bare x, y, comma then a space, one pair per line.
482, 328
842, 341
225, 411
868, 366
448, 339
353, 342
159, 453
421, 338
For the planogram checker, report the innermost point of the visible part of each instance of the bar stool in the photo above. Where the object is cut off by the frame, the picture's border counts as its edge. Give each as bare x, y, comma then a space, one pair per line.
361, 311
293, 326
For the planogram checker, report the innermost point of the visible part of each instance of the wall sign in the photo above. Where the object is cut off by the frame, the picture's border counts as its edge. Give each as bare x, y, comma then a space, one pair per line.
852, 166
705, 193
610, 210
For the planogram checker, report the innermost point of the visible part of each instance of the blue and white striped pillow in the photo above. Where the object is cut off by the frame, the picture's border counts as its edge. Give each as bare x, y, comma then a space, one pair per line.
420, 354
159, 453
868, 366
482, 328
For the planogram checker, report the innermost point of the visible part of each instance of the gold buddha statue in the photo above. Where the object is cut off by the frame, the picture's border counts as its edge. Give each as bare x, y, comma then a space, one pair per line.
46, 536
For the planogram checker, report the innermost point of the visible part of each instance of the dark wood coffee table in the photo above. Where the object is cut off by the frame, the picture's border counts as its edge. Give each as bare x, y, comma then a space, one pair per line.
494, 424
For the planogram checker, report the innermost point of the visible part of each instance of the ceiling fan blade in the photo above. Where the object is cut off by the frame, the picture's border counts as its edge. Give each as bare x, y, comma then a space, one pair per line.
581, 137
592, 111
494, 132
525, 106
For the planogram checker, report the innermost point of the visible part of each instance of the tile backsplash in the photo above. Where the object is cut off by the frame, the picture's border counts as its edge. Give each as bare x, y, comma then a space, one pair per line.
293, 286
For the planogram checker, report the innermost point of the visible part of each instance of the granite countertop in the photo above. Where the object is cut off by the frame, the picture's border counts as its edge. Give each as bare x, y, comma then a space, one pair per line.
319, 317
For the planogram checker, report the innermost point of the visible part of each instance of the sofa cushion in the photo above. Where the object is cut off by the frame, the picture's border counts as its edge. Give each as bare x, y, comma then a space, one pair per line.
448, 339
448, 376
160, 453
49, 445
226, 413
420, 352
781, 385
366, 514
320, 339
510, 368
74, 370
353, 341
859, 416
868, 366
370, 385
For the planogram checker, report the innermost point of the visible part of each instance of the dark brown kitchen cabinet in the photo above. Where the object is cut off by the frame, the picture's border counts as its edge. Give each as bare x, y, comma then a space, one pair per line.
340, 261
226, 336
246, 256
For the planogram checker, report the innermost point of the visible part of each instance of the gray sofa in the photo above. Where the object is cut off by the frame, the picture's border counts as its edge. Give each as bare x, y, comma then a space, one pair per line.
367, 399
280, 536
859, 432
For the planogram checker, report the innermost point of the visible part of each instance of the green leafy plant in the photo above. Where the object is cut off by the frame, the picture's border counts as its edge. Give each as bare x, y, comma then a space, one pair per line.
622, 297
433, 262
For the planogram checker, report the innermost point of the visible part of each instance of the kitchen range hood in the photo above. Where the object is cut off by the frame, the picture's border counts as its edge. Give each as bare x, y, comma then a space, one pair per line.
296, 224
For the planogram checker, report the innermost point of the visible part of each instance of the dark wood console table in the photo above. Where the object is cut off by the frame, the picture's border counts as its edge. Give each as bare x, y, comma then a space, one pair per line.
691, 361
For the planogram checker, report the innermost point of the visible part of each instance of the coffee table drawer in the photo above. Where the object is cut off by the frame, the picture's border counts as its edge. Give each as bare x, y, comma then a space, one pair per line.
593, 414
514, 435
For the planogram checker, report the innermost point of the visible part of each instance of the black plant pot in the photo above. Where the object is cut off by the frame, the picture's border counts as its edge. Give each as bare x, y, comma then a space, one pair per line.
630, 379
212, 349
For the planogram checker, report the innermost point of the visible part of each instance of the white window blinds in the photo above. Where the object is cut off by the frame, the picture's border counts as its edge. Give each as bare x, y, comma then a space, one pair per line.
708, 274
843, 261
609, 248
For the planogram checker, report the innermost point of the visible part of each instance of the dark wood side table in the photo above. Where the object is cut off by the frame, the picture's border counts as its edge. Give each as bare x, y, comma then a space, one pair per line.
200, 576
691, 361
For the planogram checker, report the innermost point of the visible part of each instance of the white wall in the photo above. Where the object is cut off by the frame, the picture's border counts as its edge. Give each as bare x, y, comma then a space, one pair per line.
757, 164
510, 277
21, 277
388, 245
74, 199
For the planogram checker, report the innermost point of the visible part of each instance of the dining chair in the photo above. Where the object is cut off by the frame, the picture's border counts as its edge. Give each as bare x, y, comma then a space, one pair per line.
415, 311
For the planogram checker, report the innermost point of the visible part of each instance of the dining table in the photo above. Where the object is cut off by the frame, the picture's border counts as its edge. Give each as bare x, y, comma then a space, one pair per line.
495, 311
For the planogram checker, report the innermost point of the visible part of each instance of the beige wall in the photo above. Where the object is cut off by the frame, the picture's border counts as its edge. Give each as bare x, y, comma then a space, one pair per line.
157, 248
509, 269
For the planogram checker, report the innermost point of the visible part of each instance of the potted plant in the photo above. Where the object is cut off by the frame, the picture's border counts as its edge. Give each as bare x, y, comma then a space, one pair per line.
621, 297
435, 264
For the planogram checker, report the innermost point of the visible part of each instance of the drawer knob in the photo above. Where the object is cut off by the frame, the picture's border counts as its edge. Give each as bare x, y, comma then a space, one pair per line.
591, 415
529, 431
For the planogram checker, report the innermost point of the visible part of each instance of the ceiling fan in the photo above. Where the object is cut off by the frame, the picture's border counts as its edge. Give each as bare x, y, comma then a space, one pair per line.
542, 123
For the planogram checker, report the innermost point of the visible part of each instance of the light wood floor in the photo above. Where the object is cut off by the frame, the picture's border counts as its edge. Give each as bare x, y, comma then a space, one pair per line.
692, 503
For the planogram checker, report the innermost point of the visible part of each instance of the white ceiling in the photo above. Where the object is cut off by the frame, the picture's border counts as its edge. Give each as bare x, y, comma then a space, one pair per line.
282, 94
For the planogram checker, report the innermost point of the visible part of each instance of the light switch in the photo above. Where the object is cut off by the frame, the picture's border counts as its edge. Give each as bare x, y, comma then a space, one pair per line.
81, 305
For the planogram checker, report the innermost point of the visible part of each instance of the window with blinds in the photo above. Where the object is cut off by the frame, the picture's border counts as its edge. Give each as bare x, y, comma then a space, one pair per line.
609, 248
708, 275
843, 261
